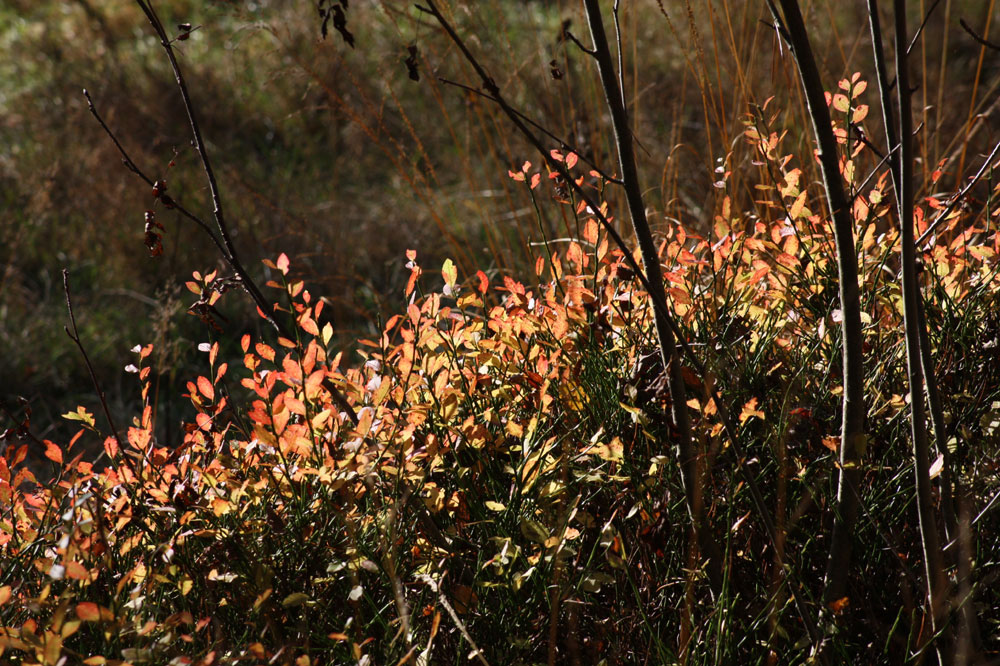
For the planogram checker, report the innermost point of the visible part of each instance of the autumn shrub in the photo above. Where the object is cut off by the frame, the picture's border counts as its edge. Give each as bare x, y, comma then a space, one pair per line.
503, 488
305, 129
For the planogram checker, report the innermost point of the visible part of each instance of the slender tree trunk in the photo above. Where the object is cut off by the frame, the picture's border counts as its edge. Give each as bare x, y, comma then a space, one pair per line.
690, 459
948, 486
920, 366
853, 440
933, 560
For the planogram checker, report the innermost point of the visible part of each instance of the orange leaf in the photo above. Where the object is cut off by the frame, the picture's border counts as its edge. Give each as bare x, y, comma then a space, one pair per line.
111, 447
281, 420
88, 611
53, 452
759, 274
282, 264
750, 409
787, 260
204, 421
206, 388
77, 571
839, 605
679, 296
309, 326
139, 438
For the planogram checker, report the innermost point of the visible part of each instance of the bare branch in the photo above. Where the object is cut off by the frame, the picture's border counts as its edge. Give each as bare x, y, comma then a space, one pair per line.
134, 168
958, 198
225, 246
565, 145
976, 36
75, 337
923, 24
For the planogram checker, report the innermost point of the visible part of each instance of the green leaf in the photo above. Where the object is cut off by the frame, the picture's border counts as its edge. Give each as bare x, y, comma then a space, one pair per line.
295, 599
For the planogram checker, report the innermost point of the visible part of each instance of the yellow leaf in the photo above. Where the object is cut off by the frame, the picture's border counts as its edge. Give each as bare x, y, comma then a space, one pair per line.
795, 212
449, 272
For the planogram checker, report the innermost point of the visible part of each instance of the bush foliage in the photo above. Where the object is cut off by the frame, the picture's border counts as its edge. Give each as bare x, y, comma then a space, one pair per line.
504, 486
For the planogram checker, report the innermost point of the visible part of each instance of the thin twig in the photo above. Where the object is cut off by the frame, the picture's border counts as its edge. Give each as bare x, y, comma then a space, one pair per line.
225, 245
134, 168
571, 37
443, 600
930, 541
955, 200
75, 337
923, 24
976, 36
861, 188
565, 145
199, 144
